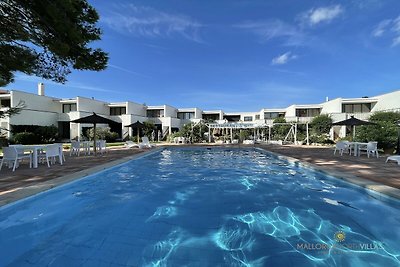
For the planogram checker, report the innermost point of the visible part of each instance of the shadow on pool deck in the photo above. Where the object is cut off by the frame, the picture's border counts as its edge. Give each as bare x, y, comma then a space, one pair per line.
372, 169
25, 181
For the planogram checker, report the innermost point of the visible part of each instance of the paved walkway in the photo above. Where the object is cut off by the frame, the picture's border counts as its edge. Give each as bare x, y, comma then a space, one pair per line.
371, 169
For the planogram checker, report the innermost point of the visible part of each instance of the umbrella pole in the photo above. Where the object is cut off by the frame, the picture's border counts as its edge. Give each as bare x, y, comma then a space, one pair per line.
354, 132
137, 132
94, 139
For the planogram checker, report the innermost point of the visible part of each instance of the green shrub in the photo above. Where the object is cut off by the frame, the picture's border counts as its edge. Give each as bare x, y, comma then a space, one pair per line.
279, 132
25, 138
321, 124
384, 132
103, 134
47, 134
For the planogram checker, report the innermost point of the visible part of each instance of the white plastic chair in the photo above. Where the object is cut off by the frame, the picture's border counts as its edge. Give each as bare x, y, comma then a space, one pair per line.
101, 146
371, 148
394, 158
11, 156
342, 146
51, 154
145, 143
130, 144
75, 148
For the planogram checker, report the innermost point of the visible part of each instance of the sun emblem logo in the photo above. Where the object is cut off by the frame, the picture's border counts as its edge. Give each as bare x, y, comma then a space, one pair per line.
340, 236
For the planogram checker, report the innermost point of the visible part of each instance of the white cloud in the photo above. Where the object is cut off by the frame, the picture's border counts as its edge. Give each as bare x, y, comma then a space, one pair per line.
270, 29
151, 23
381, 28
322, 14
390, 28
283, 59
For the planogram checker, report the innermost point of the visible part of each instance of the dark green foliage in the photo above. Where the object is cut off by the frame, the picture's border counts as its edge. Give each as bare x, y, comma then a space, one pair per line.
321, 124
279, 132
47, 134
384, 132
148, 129
319, 129
102, 134
25, 138
194, 132
39, 134
48, 38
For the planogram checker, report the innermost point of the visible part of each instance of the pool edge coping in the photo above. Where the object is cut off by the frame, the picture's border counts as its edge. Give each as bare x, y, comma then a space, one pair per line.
35, 189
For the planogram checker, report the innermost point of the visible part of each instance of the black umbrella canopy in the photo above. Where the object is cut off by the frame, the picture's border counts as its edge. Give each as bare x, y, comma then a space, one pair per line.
137, 124
353, 122
94, 118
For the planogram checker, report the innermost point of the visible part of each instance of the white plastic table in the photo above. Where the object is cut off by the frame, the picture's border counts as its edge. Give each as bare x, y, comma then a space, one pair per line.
356, 146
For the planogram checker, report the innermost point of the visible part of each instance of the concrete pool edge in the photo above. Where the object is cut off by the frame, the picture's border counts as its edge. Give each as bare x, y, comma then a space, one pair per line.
381, 190
35, 189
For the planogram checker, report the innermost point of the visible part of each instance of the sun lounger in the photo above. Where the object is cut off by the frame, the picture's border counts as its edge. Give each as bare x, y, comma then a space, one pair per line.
131, 144
394, 158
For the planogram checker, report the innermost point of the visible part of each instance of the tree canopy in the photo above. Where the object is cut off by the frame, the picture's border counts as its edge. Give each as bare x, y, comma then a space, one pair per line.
48, 38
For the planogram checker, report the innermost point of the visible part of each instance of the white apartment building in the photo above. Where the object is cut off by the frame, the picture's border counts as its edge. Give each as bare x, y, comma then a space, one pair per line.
43, 110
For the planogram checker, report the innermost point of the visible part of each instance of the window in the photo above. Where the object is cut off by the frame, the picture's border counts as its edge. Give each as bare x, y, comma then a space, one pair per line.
210, 117
273, 115
257, 117
307, 112
356, 108
248, 118
5, 103
185, 115
155, 113
69, 107
115, 111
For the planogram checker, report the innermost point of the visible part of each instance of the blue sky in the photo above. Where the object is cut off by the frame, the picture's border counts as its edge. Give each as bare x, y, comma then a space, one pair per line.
239, 55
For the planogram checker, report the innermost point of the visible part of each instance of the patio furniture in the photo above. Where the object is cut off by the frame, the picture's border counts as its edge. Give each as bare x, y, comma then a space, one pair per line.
248, 142
51, 154
11, 156
356, 147
86, 147
131, 144
75, 148
342, 146
145, 143
394, 158
370, 148
101, 146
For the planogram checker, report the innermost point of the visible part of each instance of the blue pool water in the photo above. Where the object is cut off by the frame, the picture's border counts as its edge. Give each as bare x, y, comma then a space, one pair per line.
200, 207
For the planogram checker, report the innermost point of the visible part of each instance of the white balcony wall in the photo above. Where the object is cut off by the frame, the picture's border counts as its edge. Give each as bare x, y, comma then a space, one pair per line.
332, 106
135, 108
387, 102
88, 106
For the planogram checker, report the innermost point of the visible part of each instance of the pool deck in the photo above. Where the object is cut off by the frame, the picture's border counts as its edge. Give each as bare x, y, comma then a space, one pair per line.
370, 173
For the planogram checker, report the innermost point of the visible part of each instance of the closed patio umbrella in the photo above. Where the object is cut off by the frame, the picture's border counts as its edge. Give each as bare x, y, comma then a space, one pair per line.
353, 122
94, 119
138, 125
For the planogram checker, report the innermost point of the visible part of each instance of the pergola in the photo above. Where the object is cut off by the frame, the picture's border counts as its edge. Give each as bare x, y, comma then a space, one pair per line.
257, 127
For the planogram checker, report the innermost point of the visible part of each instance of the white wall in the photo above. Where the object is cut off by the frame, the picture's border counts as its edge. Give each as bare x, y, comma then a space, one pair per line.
88, 105
387, 101
135, 109
332, 106
38, 110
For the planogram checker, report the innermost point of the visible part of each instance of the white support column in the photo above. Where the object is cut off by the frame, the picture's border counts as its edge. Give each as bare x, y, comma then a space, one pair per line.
308, 138
231, 135
295, 133
269, 133
209, 134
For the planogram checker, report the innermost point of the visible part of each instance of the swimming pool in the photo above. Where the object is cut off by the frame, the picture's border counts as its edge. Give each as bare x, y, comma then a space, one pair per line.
202, 207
